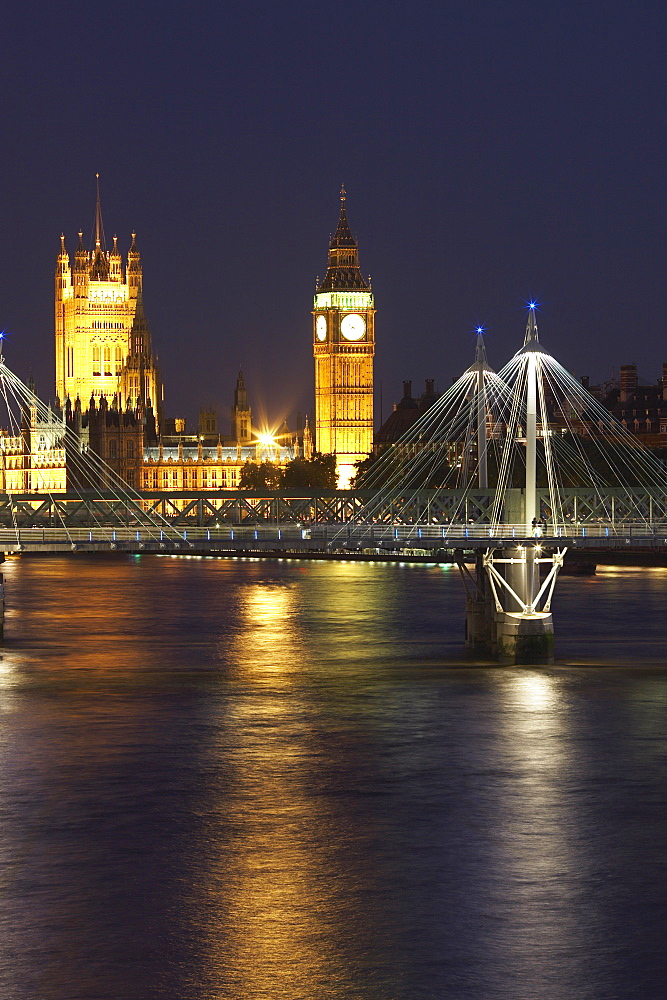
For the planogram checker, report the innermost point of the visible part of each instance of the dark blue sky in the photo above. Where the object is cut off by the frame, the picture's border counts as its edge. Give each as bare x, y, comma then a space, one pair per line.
491, 152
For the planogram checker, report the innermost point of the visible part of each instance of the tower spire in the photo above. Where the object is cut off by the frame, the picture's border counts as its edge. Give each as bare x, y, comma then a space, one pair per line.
343, 272
99, 230
480, 351
531, 325
100, 266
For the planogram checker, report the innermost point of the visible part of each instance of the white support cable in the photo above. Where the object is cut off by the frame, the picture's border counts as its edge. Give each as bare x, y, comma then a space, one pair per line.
87, 466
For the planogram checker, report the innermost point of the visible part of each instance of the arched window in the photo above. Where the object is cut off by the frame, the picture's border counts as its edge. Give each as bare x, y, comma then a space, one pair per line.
97, 370
107, 360
119, 361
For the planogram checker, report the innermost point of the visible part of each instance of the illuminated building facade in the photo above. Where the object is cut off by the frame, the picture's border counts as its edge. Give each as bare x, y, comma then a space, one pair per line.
110, 394
103, 346
32, 456
343, 347
207, 461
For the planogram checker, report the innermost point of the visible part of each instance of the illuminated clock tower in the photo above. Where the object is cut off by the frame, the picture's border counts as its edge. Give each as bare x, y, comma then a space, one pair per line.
344, 345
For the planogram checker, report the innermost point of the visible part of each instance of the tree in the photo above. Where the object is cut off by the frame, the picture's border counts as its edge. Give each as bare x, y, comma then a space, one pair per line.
317, 473
260, 476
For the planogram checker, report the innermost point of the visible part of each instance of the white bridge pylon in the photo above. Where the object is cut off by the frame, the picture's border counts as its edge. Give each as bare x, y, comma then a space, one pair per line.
522, 628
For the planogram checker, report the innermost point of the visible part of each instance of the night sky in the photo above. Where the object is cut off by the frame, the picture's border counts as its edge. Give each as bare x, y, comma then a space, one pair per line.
492, 152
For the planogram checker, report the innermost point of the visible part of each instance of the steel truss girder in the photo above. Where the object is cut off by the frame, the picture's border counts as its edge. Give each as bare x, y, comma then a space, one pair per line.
426, 507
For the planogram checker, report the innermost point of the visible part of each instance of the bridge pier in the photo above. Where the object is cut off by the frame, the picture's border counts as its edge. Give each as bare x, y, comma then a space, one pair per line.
480, 609
508, 606
524, 638
2, 598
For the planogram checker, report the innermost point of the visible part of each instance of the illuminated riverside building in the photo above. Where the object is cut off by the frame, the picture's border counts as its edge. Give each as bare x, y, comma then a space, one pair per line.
343, 347
110, 394
30, 467
32, 457
103, 346
208, 461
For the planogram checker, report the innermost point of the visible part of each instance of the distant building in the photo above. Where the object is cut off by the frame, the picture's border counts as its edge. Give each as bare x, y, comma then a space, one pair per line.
642, 409
34, 461
110, 396
404, 414
209, 461
102, 341
343, 348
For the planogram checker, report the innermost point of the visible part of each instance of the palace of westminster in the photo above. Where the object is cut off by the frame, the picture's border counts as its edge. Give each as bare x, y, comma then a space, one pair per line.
110, 397
109, 393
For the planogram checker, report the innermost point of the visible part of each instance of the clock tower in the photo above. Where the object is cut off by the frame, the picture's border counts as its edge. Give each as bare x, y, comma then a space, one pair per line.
344, 345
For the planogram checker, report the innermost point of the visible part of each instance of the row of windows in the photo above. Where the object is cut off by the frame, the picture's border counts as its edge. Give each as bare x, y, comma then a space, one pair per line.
130, 451
205, 479
351, 374
97, 354
648, 424
99, 324
100, 354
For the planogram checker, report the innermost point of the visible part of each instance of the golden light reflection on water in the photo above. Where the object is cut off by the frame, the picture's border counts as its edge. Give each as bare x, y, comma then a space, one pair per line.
271, 918
539, 830
268, 640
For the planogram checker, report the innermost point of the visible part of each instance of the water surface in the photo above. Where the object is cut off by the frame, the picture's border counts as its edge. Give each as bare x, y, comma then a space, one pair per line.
289, 781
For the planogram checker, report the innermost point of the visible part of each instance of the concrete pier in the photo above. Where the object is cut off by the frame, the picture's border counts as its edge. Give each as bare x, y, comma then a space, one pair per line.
524, 638
2, 598
508, 604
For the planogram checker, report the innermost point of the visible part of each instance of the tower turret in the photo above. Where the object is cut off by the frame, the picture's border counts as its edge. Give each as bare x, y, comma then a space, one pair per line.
134, 273
115, 263
241, 413
81, 269
63, 269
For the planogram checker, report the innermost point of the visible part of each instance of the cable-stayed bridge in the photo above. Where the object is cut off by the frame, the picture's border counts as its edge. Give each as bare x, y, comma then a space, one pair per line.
505, 472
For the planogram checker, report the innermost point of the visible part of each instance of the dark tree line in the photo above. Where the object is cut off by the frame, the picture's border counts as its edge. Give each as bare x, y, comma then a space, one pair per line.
317, 473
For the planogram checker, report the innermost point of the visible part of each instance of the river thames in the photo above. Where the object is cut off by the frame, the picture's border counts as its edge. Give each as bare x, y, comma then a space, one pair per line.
270, 780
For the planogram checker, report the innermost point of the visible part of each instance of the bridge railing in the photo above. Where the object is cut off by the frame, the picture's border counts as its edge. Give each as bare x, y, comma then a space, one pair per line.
332, 536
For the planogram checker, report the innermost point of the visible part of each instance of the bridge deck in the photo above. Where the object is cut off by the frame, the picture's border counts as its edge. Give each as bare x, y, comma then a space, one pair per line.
328, 538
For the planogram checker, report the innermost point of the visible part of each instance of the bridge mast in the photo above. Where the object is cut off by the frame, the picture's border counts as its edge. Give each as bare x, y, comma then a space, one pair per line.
531, 347
510, 609
482, 366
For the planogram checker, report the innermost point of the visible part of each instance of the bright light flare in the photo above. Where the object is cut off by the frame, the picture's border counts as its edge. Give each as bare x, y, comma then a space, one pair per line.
266, 439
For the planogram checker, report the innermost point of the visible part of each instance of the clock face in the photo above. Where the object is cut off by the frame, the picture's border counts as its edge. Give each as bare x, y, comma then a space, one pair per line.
321, 327
353, 326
